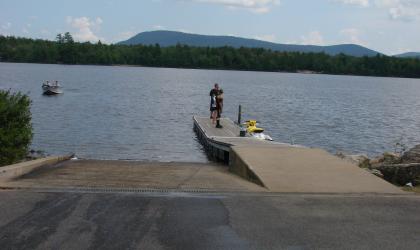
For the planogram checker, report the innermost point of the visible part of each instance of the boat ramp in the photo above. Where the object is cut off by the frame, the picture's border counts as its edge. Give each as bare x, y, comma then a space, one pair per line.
282, 167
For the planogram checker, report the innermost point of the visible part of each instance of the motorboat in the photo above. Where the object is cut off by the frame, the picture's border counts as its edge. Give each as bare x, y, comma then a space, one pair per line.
51, 88
254, 131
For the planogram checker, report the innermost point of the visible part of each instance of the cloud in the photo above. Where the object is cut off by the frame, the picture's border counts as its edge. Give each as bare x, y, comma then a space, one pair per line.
404, 10
6, 26
313, 38
125, 35
256, 6
352, 35
268, 38
362, 3
85, 28
158, 27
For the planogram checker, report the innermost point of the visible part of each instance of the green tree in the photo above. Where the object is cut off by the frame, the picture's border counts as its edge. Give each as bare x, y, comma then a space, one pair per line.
59, 38
15, 127
68, 38
65, 50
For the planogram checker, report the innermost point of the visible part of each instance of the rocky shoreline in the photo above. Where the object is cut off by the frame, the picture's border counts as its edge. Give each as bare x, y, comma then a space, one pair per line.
402, 169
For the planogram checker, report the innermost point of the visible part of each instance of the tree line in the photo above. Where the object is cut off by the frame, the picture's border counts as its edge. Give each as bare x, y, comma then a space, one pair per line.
66, 51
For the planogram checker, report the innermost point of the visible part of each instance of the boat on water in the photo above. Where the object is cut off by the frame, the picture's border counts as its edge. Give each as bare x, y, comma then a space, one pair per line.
254, 131
51, 88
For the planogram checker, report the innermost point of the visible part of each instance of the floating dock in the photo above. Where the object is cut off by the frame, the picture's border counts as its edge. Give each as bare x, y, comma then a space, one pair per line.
282, 167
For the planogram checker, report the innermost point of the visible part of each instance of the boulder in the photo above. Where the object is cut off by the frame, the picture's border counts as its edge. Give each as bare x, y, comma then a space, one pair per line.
401, 174
391, 158
412, 155
376, 172
386, 158
360, 160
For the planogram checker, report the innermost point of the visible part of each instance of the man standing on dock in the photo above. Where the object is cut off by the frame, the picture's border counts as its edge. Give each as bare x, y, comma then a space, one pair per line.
213, 94
219, 107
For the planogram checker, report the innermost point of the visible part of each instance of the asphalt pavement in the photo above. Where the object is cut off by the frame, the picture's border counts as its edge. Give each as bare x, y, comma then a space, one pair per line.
72, 219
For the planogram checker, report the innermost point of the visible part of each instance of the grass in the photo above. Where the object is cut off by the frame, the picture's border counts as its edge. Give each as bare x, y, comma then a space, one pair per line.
412, 189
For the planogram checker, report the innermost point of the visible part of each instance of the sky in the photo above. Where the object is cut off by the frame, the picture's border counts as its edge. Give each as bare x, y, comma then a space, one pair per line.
388, 26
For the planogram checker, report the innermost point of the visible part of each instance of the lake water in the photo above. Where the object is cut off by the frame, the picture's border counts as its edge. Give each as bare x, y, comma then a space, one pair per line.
146, 113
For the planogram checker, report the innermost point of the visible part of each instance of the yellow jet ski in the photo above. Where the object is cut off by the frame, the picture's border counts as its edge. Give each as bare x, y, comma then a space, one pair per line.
254, 131
251, 127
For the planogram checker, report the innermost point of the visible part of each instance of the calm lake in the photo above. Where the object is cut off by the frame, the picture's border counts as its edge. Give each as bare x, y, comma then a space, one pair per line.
146, 113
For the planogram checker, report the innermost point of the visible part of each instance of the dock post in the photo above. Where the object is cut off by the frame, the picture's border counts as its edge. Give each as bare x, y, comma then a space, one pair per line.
239, 114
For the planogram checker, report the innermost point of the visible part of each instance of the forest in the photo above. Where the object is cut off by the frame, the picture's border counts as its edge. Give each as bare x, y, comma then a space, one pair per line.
64, 50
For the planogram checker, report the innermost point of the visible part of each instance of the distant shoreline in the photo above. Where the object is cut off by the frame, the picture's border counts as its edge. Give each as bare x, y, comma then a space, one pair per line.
67, 51
303, 72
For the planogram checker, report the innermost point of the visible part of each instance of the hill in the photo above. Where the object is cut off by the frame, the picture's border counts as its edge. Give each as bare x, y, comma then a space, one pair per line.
171, 38
409, 55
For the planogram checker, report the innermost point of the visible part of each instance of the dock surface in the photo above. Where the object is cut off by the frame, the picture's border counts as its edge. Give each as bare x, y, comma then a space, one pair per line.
287, 168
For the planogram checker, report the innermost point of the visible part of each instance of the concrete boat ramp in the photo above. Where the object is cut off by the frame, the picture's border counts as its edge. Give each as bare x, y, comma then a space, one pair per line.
253, 166
281, 167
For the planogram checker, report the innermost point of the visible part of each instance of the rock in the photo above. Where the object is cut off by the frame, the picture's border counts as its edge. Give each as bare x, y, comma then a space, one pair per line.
35, 154
412, 155
376, 172
340, 155
399, 169
376, 162
365, 163
401, 173
360, 160
386, 158
391, 158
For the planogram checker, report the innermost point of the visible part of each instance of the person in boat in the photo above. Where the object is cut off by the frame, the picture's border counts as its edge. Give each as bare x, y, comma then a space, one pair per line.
213, 94
219, 107
56, 83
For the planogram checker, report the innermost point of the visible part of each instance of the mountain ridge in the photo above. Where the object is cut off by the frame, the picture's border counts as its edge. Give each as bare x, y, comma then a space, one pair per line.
171, 38
409, 55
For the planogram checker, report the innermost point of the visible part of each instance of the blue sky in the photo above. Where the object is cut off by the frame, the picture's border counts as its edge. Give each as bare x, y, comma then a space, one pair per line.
389, 26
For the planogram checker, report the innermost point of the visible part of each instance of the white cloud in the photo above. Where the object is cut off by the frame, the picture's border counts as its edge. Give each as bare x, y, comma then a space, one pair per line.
268, 38
352, 35
405, 10
85, 28
256, 6
313, 38
125, 35
6, 26
362, 3
158, 27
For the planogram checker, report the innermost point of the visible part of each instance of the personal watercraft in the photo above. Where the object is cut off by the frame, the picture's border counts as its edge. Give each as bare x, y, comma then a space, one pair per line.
254, 131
